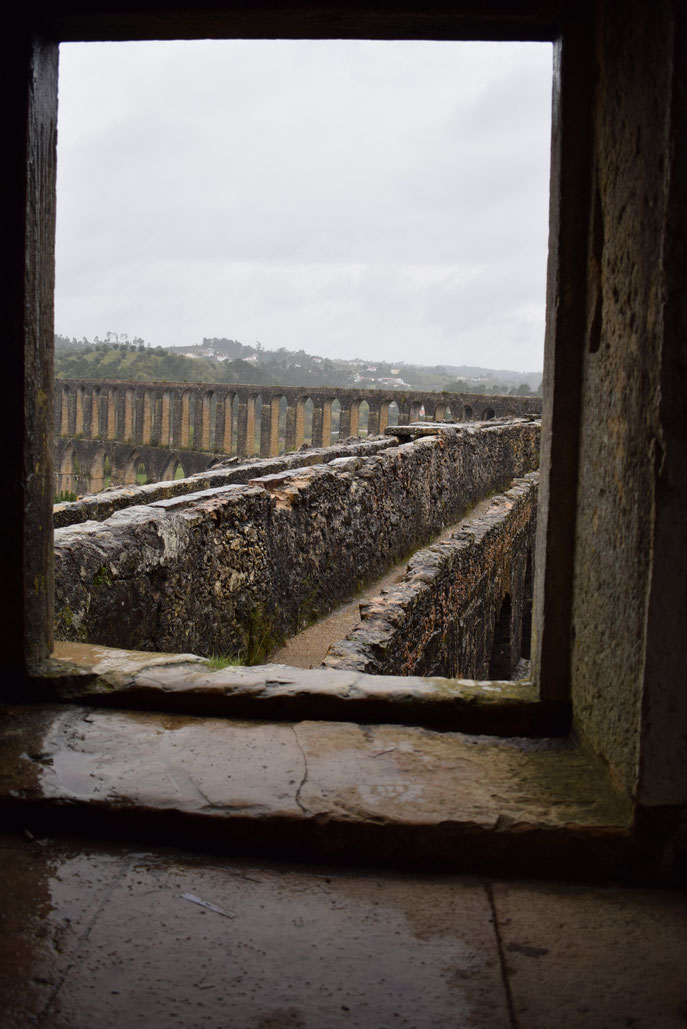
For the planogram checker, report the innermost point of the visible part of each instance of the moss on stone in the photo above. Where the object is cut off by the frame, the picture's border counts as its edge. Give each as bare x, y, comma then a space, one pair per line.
102, 578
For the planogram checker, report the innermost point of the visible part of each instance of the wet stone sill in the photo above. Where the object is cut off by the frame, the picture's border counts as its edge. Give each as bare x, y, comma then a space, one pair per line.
186, 684
310, 789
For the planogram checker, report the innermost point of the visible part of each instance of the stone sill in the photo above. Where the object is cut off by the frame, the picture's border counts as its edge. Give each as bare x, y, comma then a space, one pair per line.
184, 683
313, 790
312, 765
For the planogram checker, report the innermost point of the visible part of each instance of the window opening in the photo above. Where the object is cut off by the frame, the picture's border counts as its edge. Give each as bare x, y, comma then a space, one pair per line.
460, 277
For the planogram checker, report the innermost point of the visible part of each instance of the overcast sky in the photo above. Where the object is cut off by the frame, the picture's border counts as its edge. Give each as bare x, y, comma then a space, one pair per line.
356, 199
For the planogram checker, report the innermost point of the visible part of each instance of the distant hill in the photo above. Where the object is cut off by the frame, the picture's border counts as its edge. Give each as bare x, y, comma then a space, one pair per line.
229, 361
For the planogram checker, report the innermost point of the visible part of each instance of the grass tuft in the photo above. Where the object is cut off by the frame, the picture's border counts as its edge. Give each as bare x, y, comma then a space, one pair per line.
217, 661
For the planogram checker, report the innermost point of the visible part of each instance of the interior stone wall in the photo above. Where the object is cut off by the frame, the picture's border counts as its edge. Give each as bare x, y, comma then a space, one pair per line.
621, 450
236, 569
441, 618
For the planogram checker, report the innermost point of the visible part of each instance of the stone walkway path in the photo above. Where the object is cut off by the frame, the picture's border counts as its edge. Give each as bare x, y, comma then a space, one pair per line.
308, 648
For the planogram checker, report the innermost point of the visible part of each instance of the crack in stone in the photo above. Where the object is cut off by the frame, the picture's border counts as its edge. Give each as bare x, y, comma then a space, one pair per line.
82, 945
510, 1003
304, 809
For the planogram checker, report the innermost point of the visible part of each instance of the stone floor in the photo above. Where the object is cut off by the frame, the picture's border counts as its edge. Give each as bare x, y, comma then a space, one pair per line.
107, 936
332, 918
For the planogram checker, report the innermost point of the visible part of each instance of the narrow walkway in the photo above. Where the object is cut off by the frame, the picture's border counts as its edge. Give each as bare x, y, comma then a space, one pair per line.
308, 649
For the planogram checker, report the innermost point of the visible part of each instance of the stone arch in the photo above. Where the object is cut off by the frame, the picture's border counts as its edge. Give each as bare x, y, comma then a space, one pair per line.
141, 474
214, 443
324, 412
166, 417
363, 418
65, 477
417, 411
304, 409
193, 435
111, 413
148, 416
393, 414
500, 662
271, 430
131, 467
232, 415
97, 470
224, 428
335, 420
382, 416
173, 470
248, 423
308, 412
79, 412
185, 420
487, 414
282, 418
156, 432
203, 419
257, 423
64, 411
354, 418
96, 431
129, 411
448, 413
467, 413
107, 471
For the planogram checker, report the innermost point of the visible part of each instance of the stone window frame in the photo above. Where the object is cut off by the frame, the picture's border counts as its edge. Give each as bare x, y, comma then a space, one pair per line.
31, 69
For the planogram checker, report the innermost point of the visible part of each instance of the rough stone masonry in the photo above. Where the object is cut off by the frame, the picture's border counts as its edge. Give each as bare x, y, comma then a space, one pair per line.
235, 569
463, 608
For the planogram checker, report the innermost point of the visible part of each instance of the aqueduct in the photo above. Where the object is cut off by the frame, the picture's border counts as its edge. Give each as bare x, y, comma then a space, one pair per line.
180, 428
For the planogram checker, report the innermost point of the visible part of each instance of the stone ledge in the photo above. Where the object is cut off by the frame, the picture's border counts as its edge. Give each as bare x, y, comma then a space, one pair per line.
237, 570
419, 430
183, 683
228, 471
383, 794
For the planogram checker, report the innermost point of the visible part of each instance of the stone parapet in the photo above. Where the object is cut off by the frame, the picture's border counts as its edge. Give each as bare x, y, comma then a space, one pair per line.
237, 568
464, 606
99, 506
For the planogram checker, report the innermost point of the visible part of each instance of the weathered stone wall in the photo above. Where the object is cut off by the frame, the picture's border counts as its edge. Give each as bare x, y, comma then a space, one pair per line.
462, 606
236, 568
100, 506
626, 479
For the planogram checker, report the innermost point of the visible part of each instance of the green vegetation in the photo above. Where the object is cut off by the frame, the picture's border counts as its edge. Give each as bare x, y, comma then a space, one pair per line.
217, 661
101, 578
64, 621
227, 361
65, 496
261, 636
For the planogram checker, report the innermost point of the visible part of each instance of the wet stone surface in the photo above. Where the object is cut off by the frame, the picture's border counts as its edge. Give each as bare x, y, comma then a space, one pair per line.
106, 676
309, 787
107, 936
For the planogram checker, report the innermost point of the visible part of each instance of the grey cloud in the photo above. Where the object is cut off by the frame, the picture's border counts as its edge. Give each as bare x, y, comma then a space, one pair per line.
339, 197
